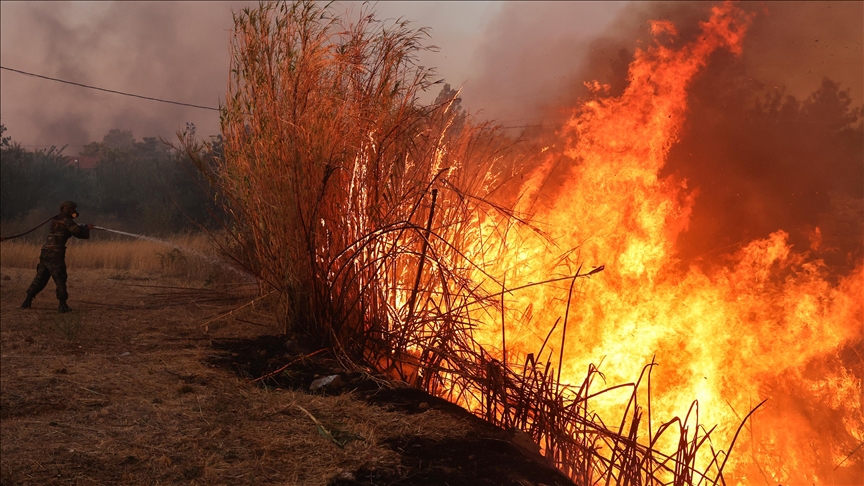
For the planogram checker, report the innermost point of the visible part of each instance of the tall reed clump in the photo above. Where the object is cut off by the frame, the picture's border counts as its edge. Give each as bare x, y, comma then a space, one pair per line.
332, 167
368, 214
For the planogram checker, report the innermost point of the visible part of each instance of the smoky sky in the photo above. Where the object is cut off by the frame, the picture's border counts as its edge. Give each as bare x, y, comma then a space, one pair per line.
180, 50
531, 55
169, 50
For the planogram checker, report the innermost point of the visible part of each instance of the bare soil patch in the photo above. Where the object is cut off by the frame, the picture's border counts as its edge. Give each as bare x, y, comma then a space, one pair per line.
129, 389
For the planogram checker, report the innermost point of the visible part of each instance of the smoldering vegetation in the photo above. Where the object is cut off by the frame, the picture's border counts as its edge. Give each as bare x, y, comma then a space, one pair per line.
773, 140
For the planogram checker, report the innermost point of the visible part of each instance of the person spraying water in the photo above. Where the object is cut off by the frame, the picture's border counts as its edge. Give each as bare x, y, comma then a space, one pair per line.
52, 259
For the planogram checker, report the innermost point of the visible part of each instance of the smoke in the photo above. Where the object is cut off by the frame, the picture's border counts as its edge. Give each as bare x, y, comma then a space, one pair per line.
152, 49
773, 138
531, 58
536, 57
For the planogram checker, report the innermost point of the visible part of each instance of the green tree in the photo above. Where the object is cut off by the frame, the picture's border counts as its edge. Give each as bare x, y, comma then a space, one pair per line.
147, 186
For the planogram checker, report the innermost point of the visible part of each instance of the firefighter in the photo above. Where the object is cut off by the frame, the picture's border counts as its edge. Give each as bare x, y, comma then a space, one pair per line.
52, 259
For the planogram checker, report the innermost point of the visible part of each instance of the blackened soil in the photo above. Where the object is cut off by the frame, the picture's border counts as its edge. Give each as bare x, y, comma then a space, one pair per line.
487, 458
253, 358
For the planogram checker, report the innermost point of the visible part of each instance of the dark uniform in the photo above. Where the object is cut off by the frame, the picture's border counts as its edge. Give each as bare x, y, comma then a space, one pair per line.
52, 259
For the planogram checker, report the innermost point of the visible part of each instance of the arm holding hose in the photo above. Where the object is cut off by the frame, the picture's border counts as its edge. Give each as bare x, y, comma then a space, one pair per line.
86, 227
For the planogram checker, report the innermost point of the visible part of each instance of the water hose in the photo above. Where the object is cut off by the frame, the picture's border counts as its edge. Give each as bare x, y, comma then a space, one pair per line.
4, 238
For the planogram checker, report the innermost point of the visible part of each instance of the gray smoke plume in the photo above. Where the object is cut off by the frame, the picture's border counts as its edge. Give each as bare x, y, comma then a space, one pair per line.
148, 48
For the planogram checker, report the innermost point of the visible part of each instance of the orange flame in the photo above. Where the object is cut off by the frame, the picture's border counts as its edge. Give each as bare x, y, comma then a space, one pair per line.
766, 326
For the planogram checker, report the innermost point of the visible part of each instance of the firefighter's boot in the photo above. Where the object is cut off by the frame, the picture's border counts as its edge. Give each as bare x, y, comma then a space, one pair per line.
63, 307
28, 301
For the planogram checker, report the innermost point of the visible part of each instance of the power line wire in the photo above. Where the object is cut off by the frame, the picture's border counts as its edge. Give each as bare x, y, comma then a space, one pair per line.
108, 90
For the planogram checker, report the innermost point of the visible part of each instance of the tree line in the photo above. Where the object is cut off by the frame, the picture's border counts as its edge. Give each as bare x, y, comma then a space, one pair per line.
144, 186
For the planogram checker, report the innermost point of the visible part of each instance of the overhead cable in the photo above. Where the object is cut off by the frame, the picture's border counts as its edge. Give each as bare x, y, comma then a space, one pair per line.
108, 90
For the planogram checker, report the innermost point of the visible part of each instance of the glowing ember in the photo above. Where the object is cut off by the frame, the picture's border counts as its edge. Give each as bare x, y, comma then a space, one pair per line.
767, 325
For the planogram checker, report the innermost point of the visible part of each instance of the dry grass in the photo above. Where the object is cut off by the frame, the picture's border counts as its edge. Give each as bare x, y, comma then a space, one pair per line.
190, 257
131, 400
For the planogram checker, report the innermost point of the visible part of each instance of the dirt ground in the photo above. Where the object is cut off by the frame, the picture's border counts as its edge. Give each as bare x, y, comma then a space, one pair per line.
130, 389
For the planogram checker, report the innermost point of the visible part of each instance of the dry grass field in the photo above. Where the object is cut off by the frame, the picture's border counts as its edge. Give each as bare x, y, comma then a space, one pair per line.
123, 254
123, 390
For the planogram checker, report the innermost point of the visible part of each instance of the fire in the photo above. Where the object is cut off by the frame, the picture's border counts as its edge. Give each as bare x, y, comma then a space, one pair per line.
328, 167
767, 325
